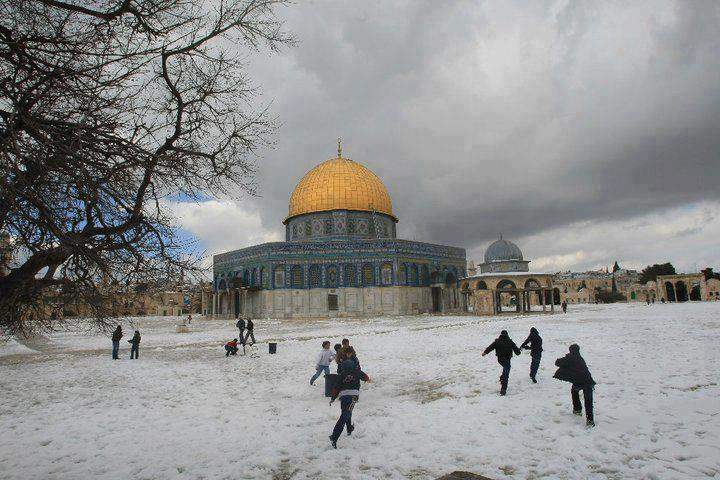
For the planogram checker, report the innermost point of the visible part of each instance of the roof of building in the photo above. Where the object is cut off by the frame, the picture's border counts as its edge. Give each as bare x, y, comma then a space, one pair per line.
503, 250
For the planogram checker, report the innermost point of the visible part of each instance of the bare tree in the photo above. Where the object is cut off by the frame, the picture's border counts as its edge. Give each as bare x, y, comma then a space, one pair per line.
108, 108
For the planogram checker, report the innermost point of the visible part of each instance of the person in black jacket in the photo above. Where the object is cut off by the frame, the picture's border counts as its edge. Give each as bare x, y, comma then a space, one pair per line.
241, 327
535, 346
116, 336
573, 369
250, 334
348, 389
135, 345
504, 348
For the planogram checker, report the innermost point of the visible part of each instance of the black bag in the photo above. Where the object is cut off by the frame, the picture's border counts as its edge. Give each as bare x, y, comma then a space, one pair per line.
330, 382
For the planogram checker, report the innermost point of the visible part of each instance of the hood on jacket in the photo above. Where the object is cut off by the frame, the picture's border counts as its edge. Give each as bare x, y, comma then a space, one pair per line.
575, 349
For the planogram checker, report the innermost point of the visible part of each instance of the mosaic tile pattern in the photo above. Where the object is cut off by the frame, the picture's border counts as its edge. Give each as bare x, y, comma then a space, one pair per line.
339, 184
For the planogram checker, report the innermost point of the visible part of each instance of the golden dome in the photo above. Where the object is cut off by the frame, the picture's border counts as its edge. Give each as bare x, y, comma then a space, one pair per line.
340, 184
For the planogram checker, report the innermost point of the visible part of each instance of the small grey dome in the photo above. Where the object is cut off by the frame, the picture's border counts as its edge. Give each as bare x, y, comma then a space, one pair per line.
502, 250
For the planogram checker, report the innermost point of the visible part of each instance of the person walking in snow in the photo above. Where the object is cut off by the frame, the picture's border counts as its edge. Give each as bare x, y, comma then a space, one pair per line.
323, 361
241, 328
504, 348
564, 306
346, 344
116, 337
231, 347
250, 334
135, 345
347, 389
572, 368
534, 344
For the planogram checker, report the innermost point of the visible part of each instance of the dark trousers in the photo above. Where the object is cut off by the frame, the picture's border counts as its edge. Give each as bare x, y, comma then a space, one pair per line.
230, 350
116, 348
242, 336
345, 421
534, 365
249, 335
505, 374
135, 350
587, 396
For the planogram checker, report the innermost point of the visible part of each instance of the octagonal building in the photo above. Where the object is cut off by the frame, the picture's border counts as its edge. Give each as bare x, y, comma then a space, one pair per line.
340, 257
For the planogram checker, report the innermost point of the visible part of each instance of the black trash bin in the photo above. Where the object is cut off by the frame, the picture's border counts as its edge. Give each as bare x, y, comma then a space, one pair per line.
330, 381
272, 348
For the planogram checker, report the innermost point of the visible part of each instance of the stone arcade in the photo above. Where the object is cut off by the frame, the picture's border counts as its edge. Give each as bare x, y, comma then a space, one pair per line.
341, 257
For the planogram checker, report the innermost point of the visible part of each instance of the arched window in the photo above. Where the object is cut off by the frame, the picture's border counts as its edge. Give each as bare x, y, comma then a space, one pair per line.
402, 275
331, 277
386, 274
481, 285
350, 275
279, 276
413, 274
368, 275
296, 276
314, 274
424, 276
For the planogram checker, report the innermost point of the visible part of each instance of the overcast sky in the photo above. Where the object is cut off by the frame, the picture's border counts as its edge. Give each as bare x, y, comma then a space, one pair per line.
583, 131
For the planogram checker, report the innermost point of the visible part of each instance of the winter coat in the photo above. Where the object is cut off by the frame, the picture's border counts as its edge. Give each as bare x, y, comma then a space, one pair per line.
250, 325
135, 340
117, 335
573, 369
231, 344
504, 348
535, 343
240, 324
325, 357
349, 377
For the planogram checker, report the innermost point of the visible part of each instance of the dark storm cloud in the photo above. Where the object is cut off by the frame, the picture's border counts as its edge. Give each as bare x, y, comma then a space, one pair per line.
513, 117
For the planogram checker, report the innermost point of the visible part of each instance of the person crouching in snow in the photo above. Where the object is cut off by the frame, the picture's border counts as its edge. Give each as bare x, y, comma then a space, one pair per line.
135, 345
572, 368
536, 349
323, 361
348, 389
231, 347
504, 348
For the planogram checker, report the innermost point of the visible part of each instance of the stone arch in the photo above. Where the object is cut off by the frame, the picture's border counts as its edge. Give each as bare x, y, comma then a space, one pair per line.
314, 276
695, 293
670, 291
368, 275
532, 283
450, 279
556, 296
350, 279
222, 284
681, 293
505, 283
481, 285
297, 277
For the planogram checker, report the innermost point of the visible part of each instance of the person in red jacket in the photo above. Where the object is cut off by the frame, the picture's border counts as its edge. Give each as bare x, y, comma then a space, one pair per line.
231, 347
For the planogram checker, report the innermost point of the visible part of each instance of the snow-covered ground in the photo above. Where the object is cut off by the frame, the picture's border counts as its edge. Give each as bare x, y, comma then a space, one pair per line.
184, 410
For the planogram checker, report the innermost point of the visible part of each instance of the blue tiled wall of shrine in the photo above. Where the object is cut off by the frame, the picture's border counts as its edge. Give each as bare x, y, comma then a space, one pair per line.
339, 263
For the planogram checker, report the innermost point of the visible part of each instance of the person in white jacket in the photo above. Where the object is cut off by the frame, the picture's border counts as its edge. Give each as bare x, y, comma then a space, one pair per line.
323, 361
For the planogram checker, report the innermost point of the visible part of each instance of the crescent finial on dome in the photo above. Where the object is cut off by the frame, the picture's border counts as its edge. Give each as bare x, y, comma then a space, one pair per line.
339, 147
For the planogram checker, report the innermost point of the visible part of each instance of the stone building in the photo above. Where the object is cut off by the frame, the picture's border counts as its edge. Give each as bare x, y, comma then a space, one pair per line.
340, 257
506, 284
